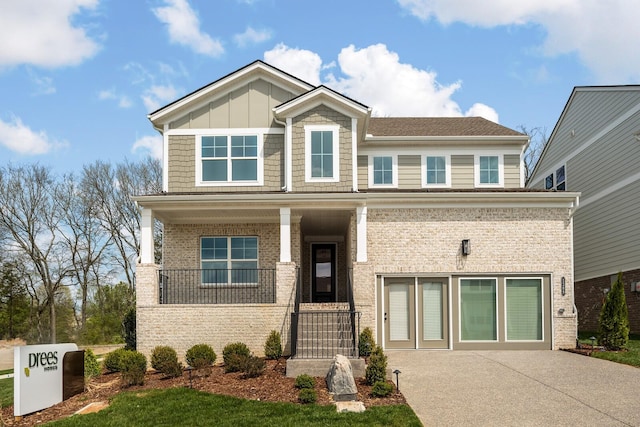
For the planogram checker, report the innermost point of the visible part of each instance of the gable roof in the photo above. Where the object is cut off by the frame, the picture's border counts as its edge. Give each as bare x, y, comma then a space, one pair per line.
437, 126
322, 95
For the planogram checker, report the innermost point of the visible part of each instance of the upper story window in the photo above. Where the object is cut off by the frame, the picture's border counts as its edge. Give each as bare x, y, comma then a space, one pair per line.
321, 153
383, 171
229, 160
557, 180
489, 171
436, 171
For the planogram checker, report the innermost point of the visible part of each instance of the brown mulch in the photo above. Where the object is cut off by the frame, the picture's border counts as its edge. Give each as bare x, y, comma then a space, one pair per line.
272, 386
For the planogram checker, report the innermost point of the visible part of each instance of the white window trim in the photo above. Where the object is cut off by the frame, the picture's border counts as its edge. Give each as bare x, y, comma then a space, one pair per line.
423, 170
394, 171
229, 261
476, 170
229, 133
506, 314
307, 152
495, 280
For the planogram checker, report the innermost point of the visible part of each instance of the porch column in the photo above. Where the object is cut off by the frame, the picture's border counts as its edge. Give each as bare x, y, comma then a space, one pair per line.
146, 236
285, 234
361, 232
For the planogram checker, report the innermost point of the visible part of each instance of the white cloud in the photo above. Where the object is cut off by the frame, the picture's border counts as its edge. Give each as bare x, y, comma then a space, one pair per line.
43, 85
252, 36
598, 32
21, 139
45, 33
111, 94
304, 64
152, 145
184, 28
157, 95
376, 77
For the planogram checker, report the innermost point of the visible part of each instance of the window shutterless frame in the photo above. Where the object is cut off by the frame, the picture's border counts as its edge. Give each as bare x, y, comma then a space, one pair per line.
489, 170
322, 153
382, 170
435, 170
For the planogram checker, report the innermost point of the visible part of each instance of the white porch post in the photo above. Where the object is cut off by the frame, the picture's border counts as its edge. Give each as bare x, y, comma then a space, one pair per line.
361, 249
285, 234
146, 237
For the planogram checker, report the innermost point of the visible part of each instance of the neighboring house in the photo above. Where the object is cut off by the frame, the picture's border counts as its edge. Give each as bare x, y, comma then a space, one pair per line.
288, 207
595, 149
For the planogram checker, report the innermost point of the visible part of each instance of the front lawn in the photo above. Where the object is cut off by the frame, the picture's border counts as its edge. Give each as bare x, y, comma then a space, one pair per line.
6, 392
187, 407
629, 357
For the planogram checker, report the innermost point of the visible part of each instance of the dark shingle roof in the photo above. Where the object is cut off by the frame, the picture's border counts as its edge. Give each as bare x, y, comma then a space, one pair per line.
437, 126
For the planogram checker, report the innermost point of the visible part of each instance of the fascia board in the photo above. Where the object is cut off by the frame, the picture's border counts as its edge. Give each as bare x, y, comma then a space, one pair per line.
315, 98
466, 139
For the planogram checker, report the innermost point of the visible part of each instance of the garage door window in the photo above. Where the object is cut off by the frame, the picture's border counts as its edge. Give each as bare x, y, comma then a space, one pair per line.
478, 317
524, 309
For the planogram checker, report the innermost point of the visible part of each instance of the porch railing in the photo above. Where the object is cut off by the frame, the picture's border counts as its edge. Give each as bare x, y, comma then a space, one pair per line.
221, 286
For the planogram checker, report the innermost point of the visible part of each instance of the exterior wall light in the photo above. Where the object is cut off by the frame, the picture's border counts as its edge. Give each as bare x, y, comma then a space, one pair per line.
466, 247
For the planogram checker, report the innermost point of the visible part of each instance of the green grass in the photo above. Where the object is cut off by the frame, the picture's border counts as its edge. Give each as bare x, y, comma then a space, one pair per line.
6, 392
629, 357
187, 407
6, 371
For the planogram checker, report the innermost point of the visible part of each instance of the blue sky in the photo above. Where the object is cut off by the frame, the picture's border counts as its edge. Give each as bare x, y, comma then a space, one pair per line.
78, 77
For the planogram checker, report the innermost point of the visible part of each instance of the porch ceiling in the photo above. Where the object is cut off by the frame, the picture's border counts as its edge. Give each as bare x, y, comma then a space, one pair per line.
328, 222
212, 215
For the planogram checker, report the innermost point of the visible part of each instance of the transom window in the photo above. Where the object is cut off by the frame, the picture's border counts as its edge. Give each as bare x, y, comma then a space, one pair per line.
229, 260
229, 158
557, 180
321, 153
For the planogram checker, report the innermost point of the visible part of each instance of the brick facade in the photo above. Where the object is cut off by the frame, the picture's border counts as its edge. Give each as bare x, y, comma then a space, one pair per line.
590, 295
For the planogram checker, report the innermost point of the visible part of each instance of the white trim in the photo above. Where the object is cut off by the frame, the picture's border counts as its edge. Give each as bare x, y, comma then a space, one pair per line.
223, 131
230, 183
285, 234
439, 151
335, 129
476, 170
361, 234
506, 314
382, 311
146, 236
610, 127
417, 315
394, 171
327, 97
354, 153
447, 169
497, 139
288, 143
450, 313
165, 159
460, 340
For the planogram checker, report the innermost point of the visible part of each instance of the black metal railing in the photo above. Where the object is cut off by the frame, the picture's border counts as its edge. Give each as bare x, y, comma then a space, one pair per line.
220, 286
355, 332
294, 314
323, 334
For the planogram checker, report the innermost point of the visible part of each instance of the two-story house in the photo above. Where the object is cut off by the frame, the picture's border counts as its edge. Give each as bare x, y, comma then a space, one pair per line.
595, 149
287, 207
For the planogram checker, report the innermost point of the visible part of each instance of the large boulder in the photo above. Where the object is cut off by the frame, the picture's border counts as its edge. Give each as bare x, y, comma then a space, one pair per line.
340, 380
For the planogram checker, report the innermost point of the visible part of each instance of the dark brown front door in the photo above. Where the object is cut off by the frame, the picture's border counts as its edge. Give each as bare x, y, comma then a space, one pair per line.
323, 272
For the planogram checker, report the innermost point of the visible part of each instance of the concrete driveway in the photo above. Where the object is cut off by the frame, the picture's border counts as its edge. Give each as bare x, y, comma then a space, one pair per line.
517, 388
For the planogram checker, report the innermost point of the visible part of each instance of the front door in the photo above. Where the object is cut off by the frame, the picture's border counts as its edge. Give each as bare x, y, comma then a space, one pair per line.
323, 272
416, 306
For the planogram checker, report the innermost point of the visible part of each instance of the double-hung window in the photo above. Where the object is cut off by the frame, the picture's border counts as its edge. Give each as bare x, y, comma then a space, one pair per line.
436, 171
557, 180
229, 159
383, 170
489, 171
229, 260
321, 153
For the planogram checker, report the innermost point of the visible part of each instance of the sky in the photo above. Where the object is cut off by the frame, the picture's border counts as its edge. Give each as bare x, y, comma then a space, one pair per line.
78, 77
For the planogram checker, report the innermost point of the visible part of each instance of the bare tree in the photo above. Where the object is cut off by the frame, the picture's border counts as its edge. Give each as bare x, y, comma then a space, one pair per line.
537, 140
31, 220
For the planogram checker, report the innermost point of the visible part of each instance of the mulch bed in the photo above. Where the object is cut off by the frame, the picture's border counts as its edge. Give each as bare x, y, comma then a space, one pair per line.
272, 386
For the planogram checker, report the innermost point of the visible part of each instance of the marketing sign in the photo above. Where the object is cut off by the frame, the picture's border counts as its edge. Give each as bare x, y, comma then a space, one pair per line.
37, 376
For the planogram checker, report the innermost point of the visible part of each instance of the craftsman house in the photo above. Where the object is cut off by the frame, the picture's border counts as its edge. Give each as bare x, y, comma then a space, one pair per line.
595, 149
287, 207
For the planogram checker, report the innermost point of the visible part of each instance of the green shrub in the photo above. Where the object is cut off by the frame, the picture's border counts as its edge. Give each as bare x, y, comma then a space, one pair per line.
165, 359
201, 356
91, 365
613, 330
381, 389
305, 381
273, 346
307, 395
133, 366
377, 367
253, 366
112, 360
232, 354
366, 342
129, 329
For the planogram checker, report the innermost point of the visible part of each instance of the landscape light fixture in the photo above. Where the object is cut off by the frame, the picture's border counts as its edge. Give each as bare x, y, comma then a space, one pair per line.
397, 372
466, 247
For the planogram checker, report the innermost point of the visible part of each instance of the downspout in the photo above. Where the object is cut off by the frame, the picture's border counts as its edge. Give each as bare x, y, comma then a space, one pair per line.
287, 155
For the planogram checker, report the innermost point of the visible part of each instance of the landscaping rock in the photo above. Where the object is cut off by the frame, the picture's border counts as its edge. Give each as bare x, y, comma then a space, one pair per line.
340, 380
